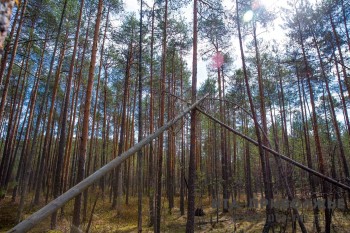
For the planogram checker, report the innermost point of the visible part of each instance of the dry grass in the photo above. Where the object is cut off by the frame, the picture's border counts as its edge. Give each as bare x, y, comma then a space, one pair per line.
107, 220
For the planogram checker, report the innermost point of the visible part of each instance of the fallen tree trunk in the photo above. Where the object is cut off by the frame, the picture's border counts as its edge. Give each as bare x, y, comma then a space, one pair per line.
57, 203
289, 160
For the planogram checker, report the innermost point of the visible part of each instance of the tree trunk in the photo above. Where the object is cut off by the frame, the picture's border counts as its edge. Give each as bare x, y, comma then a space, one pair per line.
224, 166
328, 217
248, 178
151, 182
140, 129
87, 171
182, 157
337, 41
26, 156
48, 135
161, 123
122, 138
7, 47
333, 115
67, 152
345, 22
85, 126
54, 205
270, 218
13, 56
192, 161
44, 100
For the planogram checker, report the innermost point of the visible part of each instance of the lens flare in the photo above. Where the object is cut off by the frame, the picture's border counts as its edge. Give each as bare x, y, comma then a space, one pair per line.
248, 16
217, 60
256, 5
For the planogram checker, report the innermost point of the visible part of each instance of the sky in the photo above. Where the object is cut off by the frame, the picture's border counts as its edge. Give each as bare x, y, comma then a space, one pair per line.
275, 33
133, 5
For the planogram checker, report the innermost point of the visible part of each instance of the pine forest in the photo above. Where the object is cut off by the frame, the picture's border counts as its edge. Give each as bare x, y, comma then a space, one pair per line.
175, 116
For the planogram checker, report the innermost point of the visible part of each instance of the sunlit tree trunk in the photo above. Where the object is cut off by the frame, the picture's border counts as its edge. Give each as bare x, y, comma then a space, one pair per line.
85, 125
90, 151
68, 147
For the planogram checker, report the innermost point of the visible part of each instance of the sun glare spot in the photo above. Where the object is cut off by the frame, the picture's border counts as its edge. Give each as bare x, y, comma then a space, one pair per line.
248, 16
217, 60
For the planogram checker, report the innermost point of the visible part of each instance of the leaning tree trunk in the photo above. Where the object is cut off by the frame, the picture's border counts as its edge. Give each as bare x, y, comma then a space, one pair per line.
308, 156
262, 108
333, 115
328, 217
267, 187
343, 7
343, 100
341, 58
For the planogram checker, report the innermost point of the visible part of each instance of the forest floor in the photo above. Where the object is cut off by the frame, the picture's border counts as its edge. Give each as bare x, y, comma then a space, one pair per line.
104, 219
